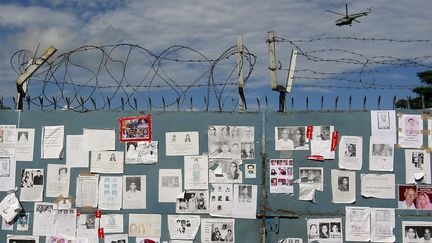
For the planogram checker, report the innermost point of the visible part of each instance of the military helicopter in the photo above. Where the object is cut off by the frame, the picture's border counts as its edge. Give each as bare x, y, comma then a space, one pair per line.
347, 19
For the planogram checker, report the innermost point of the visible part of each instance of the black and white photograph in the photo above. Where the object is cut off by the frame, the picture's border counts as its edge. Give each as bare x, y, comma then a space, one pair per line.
116, 238
351, 152
87, 227
5, 168
225, 171
193, 201
381, 153
383, 119
7, 173
134, 192
343, 183
245, 199
417, 159
24, 147
141, 152
231, 142
32, 185
382, 150
312, 176
323, 229
416, 231
183, 227
217, 230
291, 138
417, 166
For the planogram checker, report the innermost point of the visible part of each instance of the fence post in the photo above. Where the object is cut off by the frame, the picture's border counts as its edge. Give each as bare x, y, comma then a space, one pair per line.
55, 103
28, 102
93, 102
409, 103
163, 103
41, 102
379, 102
364, 103
109, 103
307, 103
336, 103
394, 102
191, 103
259, 104
423, 101
322, 102
122, 103
350, 103
205, 104
135, 103
267, 104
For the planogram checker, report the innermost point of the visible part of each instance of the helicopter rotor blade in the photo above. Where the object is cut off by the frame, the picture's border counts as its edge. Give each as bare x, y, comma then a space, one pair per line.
334, 13
346, 9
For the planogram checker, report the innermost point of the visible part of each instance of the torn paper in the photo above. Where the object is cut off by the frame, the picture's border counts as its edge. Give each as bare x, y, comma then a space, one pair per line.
323, 141
417, 166
378, 185
141, 152
183, 226
52, 142
312, 176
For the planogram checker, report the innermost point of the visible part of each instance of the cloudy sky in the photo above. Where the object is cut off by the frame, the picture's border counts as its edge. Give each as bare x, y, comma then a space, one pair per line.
211, 27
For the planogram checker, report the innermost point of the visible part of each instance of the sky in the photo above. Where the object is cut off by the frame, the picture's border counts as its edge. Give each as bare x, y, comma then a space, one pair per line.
326, 67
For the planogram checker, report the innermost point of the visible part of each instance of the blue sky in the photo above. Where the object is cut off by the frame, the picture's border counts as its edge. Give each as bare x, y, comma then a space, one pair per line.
211, 27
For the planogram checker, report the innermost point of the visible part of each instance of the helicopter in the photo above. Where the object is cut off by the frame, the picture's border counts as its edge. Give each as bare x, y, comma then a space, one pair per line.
349, 18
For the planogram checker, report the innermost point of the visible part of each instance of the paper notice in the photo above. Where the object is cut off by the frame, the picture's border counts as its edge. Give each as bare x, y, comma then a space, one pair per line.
52, 142
24, 147
343, 186
378, 185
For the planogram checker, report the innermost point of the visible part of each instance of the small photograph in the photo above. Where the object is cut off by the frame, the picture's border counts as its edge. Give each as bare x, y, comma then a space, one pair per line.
323, 133
411, 127
350, 150
133, 185
343, 183
424, 197
383, 120
170, 181
134, 129
335, 230
222, 232
250, 171
417, 233
291, 138
193, 202
418, 159
23, 221
407, 197
224, 170
382, 150
23, 137
245, 193
5, 168
311, 175
324, 231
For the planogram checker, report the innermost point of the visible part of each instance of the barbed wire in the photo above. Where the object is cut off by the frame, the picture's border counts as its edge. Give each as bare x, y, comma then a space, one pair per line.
360, 70
95, 77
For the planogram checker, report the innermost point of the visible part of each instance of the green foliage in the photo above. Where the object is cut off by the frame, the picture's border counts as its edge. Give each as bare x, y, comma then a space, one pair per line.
425, 91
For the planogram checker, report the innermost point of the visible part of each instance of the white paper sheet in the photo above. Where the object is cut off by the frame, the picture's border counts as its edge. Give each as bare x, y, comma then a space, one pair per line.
32, 185
307, 192
183, 226
145, 225
417, 166
225, 171
87, 227
245, 201
8, 136
58, 176
343, 186
43, 219
52, 141
170, 184
378, 185
381, 154
118, 238
325, 230
112, 223
7, 173
65, 222
76, 155
109, 162
221, 200
429, 124
22, 238
291, 138
196, 172
24, 147
214, 230
134, 192
87, 190
382, 225
99, 139
410, 127
357, 223
141, 152
281, 176
321, 142
110, 192
181, 143
193, 201
351, 152
231, 142
10, 206
416, 231
383, 124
